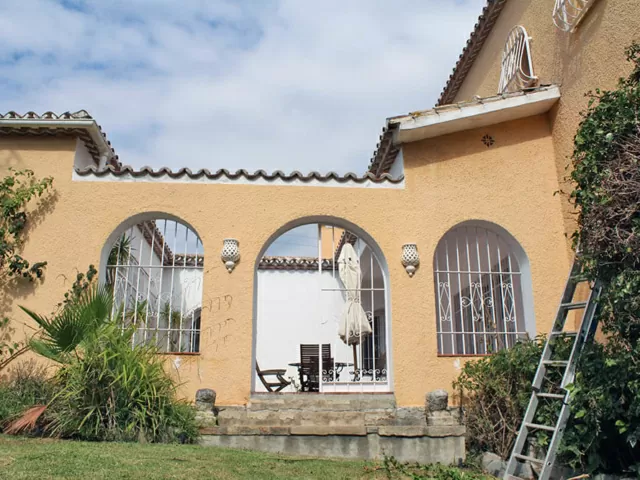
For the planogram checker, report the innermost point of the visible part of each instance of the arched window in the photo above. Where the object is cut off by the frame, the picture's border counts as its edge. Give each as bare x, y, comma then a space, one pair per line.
322, 317
516, 66
483, 291
154, 269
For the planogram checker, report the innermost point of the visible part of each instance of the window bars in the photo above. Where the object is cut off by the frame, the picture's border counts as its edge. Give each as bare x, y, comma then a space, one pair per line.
516, 66
567, 14
366, 368
478, 293
155, 271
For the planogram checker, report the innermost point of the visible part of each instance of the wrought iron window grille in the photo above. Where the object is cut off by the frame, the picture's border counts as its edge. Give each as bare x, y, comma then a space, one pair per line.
516, 66
478, 293
155, 271
567, 14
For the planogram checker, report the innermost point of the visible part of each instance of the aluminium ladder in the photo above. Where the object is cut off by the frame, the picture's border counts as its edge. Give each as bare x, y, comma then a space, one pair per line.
566, 367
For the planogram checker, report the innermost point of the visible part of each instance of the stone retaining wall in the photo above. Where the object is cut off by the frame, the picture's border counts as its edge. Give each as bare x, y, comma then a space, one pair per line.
407, 444
367, 426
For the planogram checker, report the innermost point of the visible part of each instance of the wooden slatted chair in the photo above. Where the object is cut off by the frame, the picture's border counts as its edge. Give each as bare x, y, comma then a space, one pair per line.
273, 386
310, 362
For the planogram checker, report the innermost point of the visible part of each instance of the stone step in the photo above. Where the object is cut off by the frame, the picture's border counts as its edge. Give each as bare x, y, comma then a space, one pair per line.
320, 402
407, 444
237, 416
387, 431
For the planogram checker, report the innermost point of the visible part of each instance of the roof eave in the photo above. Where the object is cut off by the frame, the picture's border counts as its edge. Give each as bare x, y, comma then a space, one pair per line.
475, 114
89, 125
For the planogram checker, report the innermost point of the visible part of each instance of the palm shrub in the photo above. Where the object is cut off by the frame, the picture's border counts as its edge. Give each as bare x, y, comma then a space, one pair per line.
107, 387
114, 391
63, 334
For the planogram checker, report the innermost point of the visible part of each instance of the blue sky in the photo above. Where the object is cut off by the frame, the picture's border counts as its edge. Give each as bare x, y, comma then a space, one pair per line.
271, 84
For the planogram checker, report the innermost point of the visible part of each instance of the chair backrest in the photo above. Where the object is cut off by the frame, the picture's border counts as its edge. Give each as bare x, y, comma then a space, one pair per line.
310, 351
310, 360
262, 379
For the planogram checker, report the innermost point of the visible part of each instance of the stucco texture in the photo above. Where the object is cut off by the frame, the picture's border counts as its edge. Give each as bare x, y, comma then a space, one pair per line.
589, 58
448, 180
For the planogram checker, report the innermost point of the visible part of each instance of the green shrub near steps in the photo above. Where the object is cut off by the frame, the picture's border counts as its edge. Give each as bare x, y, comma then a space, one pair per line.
106, 387
115, 392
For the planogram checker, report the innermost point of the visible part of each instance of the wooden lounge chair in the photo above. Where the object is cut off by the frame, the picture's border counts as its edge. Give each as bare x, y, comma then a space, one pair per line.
273, 386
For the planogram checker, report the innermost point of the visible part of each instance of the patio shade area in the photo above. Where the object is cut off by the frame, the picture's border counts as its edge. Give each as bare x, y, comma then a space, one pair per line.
315, 282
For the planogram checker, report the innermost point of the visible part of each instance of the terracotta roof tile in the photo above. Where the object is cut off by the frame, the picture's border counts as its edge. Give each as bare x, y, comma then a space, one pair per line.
293, 263
385, 152
238, 174
486, 21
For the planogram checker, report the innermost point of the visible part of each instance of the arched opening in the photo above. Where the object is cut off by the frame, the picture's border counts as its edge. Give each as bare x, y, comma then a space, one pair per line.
483, 290
321, 317
153, 265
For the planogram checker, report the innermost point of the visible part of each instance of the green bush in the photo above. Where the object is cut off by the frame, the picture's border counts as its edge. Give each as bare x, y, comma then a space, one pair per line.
113, 391
25, 385
107, 387
415, 471
495, 391
605, 428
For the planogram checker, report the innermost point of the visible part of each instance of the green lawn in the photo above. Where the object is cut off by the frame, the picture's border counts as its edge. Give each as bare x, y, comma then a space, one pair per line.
23, 458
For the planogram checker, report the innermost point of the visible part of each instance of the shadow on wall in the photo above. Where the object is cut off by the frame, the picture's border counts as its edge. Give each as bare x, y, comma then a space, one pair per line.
10, 159
13, 289
569, 55
481, 141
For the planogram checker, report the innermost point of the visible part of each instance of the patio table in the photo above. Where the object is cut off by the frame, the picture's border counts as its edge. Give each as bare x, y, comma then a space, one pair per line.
338, 365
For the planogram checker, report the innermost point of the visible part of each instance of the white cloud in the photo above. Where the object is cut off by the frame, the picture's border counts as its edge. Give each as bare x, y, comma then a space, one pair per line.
281, 84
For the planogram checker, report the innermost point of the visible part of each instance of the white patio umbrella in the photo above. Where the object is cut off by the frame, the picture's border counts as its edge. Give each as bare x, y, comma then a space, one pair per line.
354, 325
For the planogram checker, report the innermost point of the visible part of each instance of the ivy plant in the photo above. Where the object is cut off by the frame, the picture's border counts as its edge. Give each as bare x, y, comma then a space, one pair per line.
605, 430
16, 190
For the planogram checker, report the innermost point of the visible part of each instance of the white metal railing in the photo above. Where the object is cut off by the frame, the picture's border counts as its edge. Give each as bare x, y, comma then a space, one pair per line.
567, 14
155, 270
516, 67
478, 293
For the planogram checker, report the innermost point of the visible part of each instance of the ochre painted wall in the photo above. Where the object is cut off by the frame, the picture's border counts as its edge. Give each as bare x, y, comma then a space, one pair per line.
591, 57
448, 180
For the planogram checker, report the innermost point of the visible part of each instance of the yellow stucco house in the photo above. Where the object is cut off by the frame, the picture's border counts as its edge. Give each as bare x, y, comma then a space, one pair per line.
344, 297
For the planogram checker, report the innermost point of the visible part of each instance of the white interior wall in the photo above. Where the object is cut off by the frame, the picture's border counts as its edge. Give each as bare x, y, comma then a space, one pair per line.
184, 286
397, 168
82, 158
187, 288
141, 250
